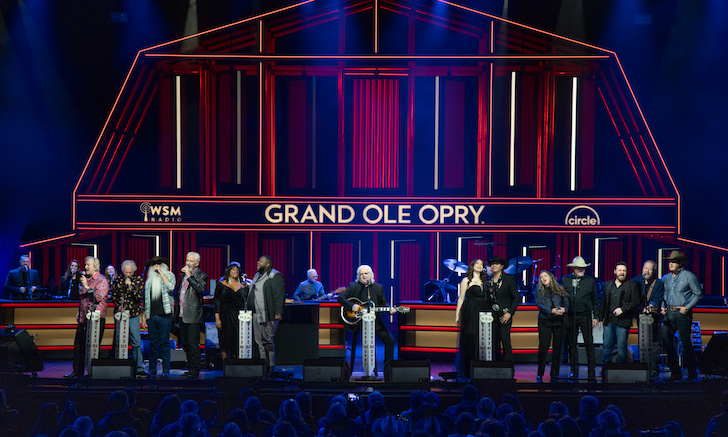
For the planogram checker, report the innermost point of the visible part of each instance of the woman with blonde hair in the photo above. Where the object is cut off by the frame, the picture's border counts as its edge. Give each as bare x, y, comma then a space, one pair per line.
552, 303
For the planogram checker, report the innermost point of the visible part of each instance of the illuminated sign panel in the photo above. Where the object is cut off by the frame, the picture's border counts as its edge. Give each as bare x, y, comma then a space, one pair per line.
353, 214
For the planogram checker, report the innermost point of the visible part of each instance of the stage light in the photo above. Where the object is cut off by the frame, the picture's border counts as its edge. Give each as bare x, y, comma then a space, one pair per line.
574, 88
512, 170
437, 130
178, 120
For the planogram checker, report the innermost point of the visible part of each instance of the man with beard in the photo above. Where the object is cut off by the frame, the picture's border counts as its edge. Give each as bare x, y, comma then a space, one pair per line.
365, 289
22, 282
619, 300
583, 310
652, 292
127, 291
682, 293
158, 308
506, 297
265, 298
192, 286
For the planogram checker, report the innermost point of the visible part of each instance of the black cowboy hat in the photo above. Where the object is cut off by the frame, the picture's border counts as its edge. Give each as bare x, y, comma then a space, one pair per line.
498, 260
156, 260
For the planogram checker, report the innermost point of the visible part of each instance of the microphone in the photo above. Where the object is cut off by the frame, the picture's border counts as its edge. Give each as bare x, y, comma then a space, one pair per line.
245, 276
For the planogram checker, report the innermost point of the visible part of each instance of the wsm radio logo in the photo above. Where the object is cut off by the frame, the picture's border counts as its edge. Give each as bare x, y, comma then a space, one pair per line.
582, 215
160, 214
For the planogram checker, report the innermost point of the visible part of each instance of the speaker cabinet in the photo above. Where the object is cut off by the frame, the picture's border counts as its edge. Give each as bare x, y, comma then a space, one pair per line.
321, 370
113, 369
625, 373
252, 368
714, 360
410, 371
491, 370
18, 352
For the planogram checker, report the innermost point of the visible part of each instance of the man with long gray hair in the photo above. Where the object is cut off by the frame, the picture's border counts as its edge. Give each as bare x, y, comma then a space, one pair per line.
127, 293
158, 308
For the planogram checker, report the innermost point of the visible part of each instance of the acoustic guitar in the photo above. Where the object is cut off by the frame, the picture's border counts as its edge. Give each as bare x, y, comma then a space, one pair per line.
354, 317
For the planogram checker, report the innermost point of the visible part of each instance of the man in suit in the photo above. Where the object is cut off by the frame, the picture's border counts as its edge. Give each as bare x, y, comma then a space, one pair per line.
620, 299
189, 306
266, 297
22, 282
506, 296
365, 289
583, 312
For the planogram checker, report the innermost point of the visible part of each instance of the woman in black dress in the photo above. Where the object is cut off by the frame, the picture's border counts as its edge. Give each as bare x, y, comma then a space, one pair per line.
552, 303
472, 299
229, 300
70, 281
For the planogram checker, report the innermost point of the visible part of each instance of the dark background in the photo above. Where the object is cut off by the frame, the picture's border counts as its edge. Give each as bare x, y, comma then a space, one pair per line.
62, 64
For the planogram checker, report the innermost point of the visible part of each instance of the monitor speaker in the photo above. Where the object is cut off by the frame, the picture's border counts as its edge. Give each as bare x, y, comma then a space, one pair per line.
18, 352
625, 373
323, 370
714, 360
491, 370
250, 368
113, 369
409, 371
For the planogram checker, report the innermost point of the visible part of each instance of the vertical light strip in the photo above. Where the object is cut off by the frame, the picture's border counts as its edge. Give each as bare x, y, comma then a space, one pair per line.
260, 128
30, 259
579, 248
659, 263
572, 169
171, 257
391, 264
376, 26
239, 115
596, 257
313, 135
178, 121
722, 276
310, 249
437, 255
512, 168
460, 248
437, 130
228, 254
490, 133
524, 252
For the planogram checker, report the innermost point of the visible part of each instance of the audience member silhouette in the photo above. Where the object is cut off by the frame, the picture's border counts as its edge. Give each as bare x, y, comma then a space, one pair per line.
167, 412
468, 403
47, 421
718, 424
119, 418
588, 412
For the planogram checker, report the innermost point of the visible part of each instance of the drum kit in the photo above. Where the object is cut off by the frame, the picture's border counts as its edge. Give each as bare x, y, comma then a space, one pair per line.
443, 289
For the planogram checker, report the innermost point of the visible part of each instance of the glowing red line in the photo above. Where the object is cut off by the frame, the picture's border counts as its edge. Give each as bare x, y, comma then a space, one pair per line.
606, 106
429, 328
616, 104
429, 349
111, 160
490, 134
330, 326
35, 243
329, 305
725, 249
644, 167
711, 310
331, 346
624, 230
654, 167
523, 329
634, 169
722, 276
273, 57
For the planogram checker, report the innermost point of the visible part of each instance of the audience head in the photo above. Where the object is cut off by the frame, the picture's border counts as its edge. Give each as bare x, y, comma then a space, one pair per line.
431, 399
470, 394
245, 394
284, 429
231, 430
486, 408
209, 411
69, 432
465, 424
588, 406
48, 413
189, 423
131, 395
239, 417
609, 423
338, 399
415, 399
618, 411
388, 426
189, 406
304, 402
336, 416
512, 400
84, 425
550, 428
515, 424
289, 412
672, 429
433, 426
168, 410
569, 427
493, 428
253, 407
375, 398
502, 411
557, 410
118, 400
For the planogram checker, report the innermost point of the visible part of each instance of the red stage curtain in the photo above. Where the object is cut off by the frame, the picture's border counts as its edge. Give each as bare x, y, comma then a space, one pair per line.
408, 272
341, 269
78, 253
376, 133
139, 250
276, 249
212, 262
613, 253
476, 249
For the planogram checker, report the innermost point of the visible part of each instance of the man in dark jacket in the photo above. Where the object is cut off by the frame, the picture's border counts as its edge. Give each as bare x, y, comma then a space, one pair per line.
365, 289
620, 299
193, 282
506, 296
22, 282
266, 297
652, 293
583, 310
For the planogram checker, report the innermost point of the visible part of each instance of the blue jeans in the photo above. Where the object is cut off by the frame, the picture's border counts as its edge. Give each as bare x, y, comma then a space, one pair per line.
135, 339
159, 329
614, 334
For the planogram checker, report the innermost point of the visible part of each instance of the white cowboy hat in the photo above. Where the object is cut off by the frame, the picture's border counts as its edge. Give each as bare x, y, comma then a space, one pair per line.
578, 262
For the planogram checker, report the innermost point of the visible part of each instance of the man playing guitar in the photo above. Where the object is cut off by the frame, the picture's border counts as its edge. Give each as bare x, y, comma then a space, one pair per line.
366, 290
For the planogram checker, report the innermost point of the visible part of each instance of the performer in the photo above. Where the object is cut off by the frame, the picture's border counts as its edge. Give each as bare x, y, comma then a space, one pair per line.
266, 298
682, 293
582, 314
70, 281
505, 294
93, 292
158, 312
189, 306
311, 288
652, 292
110, 273
366, 289
472, 300
229, 300
127, 292
620, 299
22, 282
552, 303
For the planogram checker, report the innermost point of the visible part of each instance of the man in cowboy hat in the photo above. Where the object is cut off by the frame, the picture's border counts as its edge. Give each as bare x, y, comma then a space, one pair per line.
506, 296
583, 311
682, 293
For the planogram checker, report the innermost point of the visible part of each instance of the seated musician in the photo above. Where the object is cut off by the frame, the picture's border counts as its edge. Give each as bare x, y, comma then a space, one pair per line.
365, 290
311, 288
23, 281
